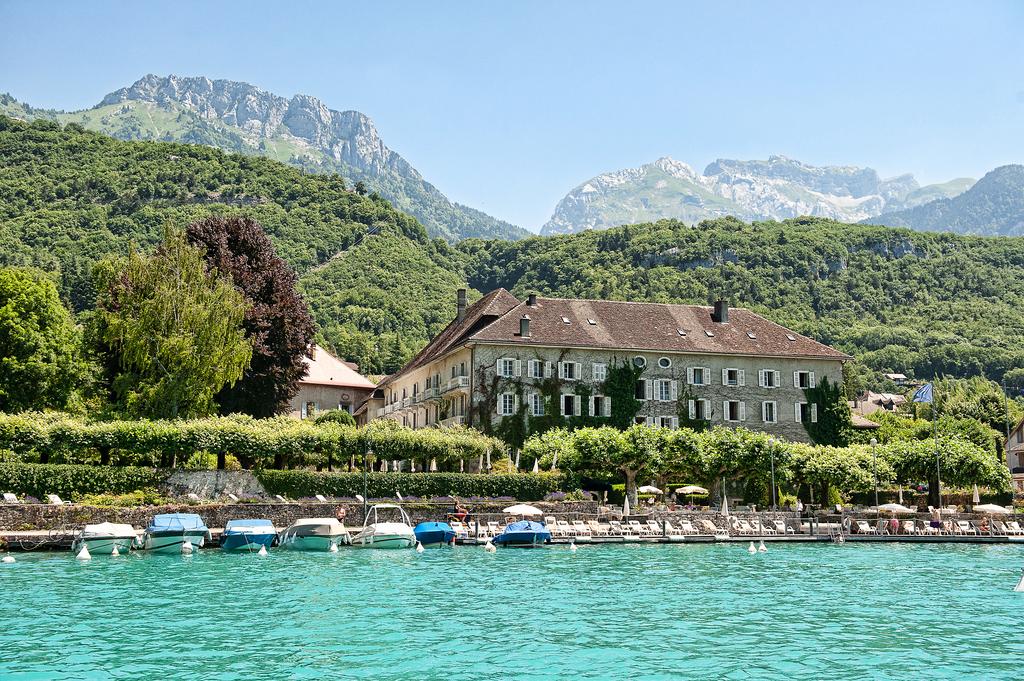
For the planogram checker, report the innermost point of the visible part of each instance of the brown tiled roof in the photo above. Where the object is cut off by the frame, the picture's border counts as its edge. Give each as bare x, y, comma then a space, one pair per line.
478, 315
649, 326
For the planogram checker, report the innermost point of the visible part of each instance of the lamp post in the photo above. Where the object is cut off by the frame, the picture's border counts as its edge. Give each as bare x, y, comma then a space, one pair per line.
771, 450
874, 469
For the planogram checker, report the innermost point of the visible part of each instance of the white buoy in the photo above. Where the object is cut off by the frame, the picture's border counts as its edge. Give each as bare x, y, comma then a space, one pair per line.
334, 548
1019, 587
489, 547
762, 548
115, 552
419, 547
751, 548
572, 545
262, 551
187, 548
7, 559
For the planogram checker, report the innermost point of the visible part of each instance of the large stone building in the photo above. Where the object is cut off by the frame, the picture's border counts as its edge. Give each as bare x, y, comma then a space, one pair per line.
722, 365
329, 384
1015, 457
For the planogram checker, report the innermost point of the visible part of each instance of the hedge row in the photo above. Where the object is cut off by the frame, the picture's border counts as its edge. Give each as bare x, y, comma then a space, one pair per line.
283, 441
296, 484
72, 481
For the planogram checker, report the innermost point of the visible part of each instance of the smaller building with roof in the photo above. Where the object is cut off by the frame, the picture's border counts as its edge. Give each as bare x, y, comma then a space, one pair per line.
329, 384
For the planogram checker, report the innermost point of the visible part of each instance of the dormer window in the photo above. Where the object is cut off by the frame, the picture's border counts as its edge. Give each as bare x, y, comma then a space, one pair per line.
565, 320
709, 334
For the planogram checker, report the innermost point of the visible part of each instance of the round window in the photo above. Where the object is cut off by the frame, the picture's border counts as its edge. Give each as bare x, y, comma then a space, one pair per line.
639, 362
665, 363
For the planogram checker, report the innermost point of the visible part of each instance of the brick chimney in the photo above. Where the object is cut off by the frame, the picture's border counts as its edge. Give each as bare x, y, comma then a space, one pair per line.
531, 300
460, 304
721, 313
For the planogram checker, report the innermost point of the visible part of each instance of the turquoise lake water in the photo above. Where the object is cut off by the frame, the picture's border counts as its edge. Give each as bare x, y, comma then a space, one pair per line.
604, 612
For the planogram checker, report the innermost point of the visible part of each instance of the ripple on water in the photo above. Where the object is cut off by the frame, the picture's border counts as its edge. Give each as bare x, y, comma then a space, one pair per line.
638, 612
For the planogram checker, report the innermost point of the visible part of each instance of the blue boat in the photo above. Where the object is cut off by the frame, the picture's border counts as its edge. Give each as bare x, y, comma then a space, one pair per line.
434, 534
524, 533
170, 532
248, 535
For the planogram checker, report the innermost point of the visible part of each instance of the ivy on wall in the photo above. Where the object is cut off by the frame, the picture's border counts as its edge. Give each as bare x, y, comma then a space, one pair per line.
833, 426
683, 412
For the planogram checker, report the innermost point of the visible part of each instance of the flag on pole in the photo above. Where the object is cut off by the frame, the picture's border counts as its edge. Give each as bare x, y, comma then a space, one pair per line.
923, 394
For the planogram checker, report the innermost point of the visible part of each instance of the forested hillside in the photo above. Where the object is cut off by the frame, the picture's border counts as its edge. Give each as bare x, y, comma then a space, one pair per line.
68, 197
899, 300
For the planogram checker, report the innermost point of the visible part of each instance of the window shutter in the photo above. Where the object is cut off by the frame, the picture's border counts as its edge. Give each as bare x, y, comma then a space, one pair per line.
497, 366
547, 369
707, 409
590, 409
515, 402
529, 367
579, 370
561, 404
577, 405
689, 375
810, 379
649, 389
796, 412
740, 377
725, 410
675, 423
649, 420
814, 413
707, 375
607, 406
760, 378
693, 409
778, 379
725, 377
518, 368
561, 370
673, 387
743, 411
796, 379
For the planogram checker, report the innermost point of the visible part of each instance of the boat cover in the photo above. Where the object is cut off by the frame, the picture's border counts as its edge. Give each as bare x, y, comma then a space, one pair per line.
525, 526
433, 527
108, 530
243, 525
177, 521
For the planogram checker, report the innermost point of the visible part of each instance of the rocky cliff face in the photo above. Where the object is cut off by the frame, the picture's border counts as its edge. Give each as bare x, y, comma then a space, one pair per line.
778, 188
301, 130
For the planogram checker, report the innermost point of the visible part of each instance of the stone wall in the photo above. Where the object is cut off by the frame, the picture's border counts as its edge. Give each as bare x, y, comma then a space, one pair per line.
785, 395
214, 484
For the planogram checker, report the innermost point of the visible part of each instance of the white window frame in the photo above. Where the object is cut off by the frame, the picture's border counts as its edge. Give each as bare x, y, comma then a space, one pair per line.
563, 370
536, 404
673, 422
705, 373
798, 412
606, 406
666, 390
740, 378
599, 372
576, 404
535, 368
775, 411
740, 411
811, 383
509, 367
762, 378
665, 366
506, 401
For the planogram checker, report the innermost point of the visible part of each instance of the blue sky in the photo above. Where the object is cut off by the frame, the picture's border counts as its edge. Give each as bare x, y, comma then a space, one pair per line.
507, 107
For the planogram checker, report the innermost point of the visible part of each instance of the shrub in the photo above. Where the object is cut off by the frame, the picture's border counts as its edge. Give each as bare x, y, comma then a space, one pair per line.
297, 484
144, 497
72, 482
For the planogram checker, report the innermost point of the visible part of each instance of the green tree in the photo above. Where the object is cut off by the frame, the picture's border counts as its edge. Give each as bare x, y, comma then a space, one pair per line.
40, 362
173, 330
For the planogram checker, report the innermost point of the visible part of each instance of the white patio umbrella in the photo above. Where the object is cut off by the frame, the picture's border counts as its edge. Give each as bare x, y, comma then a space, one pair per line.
901, 494
896, 508
536, 465
725, 505
523, 509
991, 508
976, 499
649, 489
625, 506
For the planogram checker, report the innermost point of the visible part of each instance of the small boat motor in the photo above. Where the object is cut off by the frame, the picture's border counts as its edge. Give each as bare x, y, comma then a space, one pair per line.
1019, 587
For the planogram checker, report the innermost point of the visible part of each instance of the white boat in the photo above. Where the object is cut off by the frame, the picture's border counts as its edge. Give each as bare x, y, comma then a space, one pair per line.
314, 534
102, 538
170, 531
385, 534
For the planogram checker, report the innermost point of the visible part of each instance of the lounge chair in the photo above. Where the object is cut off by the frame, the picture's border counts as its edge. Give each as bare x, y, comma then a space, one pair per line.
641, 530
657, 529
1013, 527
863, 527
925, 527
766, 530
321, 498
999, 528
493, 528
617, 529
232, 497
687, 528
55, 500
565, 529
10, 498
582, 529
598, 529
966, 527
908, 527
710, 527
461, 531
782, 528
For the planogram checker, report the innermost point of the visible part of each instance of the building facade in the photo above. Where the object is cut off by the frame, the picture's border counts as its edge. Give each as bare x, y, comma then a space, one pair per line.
329, 384
1015, 457
505, 358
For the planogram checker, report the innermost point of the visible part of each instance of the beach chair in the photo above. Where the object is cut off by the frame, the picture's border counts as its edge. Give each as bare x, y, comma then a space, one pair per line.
493, 528
565, 529
620, 530
10, 498
233, 498
671, 530
656, 528
638, 529
948, 527
582, 529
781, 527
710, 527
766, 530
687, 528
908, 527
321, 498
461, 531
966, 527
863, 527
598, 529
55, 500
1013, 527
999, 528
925, 527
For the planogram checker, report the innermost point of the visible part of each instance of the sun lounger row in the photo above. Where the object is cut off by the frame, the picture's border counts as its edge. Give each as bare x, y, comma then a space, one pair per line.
946, 527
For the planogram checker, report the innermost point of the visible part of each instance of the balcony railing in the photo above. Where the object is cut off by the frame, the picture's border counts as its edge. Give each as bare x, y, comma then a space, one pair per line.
457, 383
431, 394
454, 421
